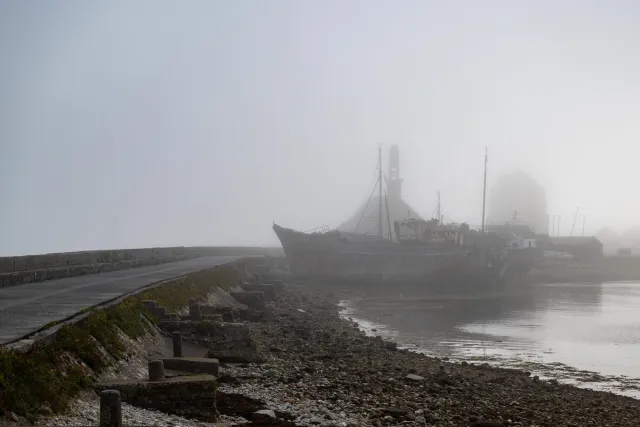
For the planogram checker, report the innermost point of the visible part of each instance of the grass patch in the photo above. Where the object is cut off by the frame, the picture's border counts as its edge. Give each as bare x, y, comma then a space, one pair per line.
176, 294
48, 376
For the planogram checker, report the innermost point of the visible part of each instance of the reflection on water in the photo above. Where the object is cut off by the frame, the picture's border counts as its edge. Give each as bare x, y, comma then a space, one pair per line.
580, 333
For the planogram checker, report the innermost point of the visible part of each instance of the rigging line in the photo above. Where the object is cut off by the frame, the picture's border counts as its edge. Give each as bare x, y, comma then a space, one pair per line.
375, 227
375, 176
386, 202
373, 181
366, 206
433, 214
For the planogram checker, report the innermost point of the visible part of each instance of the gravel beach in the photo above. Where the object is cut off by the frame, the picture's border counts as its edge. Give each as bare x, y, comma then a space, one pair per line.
321, 370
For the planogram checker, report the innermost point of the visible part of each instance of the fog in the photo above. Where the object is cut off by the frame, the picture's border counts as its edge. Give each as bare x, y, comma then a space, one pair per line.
149, 123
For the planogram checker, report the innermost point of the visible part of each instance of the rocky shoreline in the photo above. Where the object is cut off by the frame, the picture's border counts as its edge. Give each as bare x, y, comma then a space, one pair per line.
318, 368
321, 370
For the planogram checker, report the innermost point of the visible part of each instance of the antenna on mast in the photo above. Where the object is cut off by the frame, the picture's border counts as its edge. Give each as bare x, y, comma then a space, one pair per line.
574, 220
380, 233
484, 191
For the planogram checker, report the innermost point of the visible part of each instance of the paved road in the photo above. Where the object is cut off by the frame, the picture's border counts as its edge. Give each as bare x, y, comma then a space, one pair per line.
26, 308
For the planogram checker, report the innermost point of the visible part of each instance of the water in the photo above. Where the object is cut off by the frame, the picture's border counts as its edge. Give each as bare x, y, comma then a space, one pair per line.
584, 334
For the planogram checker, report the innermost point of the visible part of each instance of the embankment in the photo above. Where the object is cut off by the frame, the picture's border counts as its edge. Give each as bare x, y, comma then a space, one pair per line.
36, 268
314, 368
42, 378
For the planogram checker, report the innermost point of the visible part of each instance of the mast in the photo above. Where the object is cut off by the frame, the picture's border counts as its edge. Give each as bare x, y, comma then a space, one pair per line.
484, 191
380, 234
574, 220
558, 225
439, 217
386, 202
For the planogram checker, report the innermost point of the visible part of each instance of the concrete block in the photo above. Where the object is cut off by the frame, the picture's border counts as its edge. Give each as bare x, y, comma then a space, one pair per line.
156, 370
268, 290
159, 311
149, 304
216, 318
252, 299
277, 284
258, 269
177, 343
195, 365
227, 313
110, 409
190, 396
194, 311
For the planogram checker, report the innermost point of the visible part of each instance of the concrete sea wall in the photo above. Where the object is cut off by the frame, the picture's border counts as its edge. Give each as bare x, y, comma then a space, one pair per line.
36, 268
52, 366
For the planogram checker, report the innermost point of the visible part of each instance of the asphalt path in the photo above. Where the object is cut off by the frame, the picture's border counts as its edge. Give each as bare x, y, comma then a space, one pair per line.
26, 308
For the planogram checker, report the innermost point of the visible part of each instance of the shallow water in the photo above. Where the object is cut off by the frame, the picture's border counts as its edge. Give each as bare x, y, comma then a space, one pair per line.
586, 334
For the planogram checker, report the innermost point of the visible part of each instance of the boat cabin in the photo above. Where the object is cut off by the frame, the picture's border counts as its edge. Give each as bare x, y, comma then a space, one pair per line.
428, 232
517, 242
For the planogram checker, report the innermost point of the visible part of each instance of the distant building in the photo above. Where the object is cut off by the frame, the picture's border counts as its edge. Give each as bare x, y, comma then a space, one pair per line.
518, 198
624, 252
583, 248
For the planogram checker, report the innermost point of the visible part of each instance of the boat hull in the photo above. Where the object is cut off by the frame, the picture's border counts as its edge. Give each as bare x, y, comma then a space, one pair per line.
332, 257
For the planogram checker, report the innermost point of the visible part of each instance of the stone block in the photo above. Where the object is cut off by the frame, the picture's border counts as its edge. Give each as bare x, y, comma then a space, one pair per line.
149, 304
277, 284
216, 318
110, 408
191, 397
171, 316
159, 311
194, 365
268, 290
156, 370
259, 269
176, 338
194, 311
227, 313
253, 299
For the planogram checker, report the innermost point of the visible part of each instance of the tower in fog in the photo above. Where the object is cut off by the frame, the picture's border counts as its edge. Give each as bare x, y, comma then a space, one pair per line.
516, 197
365, 219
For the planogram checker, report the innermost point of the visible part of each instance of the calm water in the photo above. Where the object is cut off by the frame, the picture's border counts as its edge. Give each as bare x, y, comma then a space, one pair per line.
584, 334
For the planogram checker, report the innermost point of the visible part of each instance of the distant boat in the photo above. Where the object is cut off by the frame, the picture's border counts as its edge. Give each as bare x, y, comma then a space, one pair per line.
438, 256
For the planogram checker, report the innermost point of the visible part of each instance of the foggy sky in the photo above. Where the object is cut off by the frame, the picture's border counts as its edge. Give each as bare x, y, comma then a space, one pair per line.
147, 123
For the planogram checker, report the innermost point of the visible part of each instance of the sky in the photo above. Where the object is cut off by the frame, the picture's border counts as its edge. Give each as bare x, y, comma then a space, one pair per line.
159, 123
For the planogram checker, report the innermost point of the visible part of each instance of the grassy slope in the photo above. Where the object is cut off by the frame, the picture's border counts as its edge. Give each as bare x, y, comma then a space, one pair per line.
48, 376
